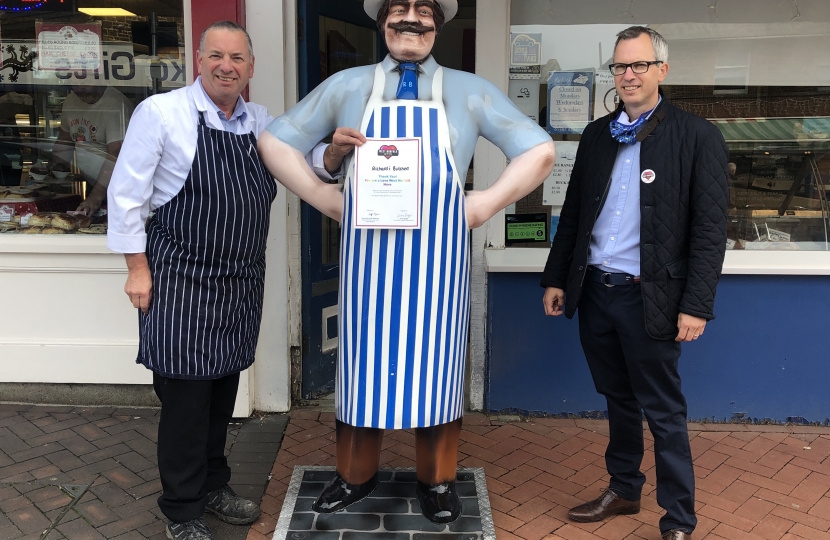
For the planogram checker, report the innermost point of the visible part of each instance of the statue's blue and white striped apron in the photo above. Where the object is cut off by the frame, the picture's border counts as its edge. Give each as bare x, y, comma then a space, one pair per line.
206, 252
404, 294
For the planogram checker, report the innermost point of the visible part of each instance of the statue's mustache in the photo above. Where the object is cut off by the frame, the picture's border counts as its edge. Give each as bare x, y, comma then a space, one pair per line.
411, 27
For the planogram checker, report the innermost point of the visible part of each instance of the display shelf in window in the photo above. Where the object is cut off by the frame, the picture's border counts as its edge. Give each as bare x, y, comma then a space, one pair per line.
778, 181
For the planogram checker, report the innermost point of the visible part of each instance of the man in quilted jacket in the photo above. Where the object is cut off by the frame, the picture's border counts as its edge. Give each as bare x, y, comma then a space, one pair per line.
639, 251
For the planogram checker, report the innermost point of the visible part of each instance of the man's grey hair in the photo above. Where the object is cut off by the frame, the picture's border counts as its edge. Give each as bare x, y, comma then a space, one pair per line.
226, 25
661, 48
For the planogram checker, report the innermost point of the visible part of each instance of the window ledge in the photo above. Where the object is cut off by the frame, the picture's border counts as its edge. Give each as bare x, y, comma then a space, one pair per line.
737, 262
55, 244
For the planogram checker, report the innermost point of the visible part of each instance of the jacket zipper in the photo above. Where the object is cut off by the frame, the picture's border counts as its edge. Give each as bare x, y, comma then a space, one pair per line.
599, 209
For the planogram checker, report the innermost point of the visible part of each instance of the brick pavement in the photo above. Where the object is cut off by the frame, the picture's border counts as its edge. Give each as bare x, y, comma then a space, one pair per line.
110, 450
759, 482
90, 473
753, 482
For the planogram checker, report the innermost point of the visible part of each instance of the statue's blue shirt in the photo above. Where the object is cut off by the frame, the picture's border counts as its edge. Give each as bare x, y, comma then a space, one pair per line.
474, 107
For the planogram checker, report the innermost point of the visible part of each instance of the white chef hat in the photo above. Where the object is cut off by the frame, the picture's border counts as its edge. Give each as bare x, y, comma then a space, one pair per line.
450, 8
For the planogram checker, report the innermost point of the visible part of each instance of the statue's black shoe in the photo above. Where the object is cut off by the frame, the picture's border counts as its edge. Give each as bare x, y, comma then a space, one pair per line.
439, 504
338, 494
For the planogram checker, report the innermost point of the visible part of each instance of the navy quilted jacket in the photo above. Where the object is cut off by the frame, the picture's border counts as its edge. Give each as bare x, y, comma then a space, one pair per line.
683, 217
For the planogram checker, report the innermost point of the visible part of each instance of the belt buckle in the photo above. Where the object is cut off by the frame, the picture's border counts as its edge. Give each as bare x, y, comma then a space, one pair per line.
605, 279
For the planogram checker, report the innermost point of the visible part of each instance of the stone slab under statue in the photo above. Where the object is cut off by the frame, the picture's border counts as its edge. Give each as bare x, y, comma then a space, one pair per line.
391, 509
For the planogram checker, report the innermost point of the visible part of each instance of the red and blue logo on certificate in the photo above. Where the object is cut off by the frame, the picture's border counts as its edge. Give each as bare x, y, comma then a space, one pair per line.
388, 151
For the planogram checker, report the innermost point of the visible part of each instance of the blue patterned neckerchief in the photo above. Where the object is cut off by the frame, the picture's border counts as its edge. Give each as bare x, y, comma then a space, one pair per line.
627, 133
408, 85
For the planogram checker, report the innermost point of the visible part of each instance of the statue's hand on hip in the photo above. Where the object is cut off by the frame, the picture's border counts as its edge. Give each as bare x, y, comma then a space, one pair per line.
477, 213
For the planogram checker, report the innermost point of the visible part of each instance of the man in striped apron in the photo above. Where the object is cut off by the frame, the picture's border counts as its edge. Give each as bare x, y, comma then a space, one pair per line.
196, 273
405, 292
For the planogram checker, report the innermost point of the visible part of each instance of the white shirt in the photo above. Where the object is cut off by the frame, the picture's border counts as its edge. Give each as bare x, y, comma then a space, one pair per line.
95, 125
157, 155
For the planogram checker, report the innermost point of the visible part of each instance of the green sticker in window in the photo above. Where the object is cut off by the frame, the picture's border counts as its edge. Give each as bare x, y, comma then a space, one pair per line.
526, 228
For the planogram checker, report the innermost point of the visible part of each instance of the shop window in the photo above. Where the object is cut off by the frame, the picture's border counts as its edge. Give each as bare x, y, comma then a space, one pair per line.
70, 79
760, 76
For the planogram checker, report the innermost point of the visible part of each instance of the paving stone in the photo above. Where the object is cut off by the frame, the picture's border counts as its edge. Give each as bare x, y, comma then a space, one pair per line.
267, 437
104, 453
79, 529
157, 529
93, 469
29, 520
14, 503
10, 532
59, 501
256, 467
135, 462
96, 513
146, 489
248, 491
11, 443
253, 457
111, 495
250, 478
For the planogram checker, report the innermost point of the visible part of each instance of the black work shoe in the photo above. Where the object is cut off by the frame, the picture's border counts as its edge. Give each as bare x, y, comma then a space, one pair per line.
439, 504
230, 507
195, 529
338, 494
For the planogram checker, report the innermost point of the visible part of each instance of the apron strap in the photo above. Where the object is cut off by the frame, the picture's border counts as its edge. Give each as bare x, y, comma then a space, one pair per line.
376, 97
438, 85
202, 119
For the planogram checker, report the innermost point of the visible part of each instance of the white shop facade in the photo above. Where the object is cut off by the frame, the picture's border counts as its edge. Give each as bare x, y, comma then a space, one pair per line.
763, 77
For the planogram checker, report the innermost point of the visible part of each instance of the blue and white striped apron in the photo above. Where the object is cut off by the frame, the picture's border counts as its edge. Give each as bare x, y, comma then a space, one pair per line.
206, 251
404, 294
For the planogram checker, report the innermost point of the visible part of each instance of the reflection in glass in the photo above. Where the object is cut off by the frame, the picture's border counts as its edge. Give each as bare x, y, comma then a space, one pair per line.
765, 85
63, 118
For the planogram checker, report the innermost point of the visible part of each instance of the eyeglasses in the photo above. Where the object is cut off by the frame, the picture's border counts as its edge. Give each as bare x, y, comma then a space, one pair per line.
636, 67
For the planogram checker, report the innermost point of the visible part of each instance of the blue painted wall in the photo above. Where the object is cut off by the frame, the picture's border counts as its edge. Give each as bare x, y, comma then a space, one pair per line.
767, 354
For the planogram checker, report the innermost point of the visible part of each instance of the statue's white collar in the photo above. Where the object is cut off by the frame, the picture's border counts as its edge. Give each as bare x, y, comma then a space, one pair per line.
428, 66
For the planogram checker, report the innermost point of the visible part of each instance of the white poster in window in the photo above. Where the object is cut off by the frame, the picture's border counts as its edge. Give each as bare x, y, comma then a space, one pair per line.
68, 46
525, 95
525, 54
556, 184
569, 101
606, 99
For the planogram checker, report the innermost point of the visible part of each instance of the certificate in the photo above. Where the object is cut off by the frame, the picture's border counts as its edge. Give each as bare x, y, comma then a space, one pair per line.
387, 184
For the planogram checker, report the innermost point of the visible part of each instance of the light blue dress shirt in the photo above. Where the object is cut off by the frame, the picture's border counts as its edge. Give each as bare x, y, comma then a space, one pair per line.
615, 239
238, 116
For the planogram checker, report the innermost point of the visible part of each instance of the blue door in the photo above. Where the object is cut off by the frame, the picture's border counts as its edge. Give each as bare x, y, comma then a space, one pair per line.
333, 36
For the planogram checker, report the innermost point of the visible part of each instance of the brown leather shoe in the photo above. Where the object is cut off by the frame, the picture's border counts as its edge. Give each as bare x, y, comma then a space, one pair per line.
676, 534
608, 504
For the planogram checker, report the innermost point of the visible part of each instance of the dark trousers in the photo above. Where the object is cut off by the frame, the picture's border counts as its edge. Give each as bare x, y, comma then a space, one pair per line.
191, 442
638, 374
